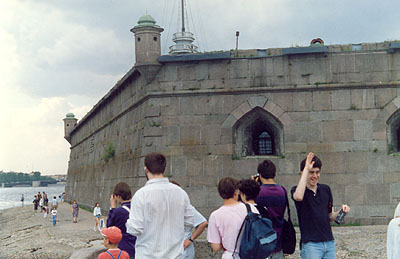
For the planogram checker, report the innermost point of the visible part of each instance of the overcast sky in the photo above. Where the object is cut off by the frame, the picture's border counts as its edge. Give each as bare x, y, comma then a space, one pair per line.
60, 56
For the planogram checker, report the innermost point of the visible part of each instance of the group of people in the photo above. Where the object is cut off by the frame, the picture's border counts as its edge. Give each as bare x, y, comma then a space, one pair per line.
158, 221
41, 201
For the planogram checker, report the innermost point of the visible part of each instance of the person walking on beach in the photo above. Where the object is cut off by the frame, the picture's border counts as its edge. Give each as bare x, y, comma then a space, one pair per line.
393, 236
45, 199
41, 203
97, 215
225, 222
22, 200
160, 210
75, 211
35, 203
54, 215
314, 205
54, 203
118, 216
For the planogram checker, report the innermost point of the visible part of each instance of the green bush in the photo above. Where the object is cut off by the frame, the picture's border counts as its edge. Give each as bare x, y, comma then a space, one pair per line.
109, 152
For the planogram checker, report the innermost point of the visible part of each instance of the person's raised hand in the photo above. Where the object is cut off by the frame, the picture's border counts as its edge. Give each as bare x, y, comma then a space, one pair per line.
113, 201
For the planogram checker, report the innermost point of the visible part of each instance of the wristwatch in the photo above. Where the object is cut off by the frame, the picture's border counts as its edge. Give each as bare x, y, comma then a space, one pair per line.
190, 239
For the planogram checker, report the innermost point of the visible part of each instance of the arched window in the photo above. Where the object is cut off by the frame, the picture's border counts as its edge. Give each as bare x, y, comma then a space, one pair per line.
264, 144
398, 137
258, 133
393, 132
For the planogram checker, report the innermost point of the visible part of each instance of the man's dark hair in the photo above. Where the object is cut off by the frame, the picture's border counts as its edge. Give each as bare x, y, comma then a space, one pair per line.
227, 187
267, 169
249, 188
123, 190
317, 163
155, 163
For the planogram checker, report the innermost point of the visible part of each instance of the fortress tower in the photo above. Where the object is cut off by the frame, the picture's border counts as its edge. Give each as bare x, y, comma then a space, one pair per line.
147, 41
69, 124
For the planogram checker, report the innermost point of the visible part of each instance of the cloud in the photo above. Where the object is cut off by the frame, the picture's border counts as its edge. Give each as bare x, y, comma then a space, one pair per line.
54, 50
32, 135
63, 56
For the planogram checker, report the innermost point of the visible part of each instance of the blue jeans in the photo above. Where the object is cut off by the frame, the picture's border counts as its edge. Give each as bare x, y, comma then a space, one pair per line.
318, 250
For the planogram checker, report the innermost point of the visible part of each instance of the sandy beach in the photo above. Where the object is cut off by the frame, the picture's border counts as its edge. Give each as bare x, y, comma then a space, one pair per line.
26, 234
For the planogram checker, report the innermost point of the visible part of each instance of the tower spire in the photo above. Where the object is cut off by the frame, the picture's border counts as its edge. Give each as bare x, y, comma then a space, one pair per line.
183, 39
183, 15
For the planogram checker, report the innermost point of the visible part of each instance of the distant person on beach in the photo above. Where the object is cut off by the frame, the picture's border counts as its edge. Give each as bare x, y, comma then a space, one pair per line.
41, 203
314, 205
45, 211
200, 223
22, 200
118, 216
54, 215
112, 237
393, 236
97, 215
45, 199
75, 211
35, 203
54, 203
225, 222
160, 210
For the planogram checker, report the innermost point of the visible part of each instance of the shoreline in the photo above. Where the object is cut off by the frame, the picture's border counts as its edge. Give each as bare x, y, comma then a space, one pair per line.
26, 234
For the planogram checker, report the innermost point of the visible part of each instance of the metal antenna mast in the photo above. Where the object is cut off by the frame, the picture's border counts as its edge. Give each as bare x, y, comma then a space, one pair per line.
183, 15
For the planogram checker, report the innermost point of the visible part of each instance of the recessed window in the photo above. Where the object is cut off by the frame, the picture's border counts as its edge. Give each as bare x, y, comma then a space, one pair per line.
67, 125
138, 39
398, 137
393, 132
258, 133
155, 38
264, 145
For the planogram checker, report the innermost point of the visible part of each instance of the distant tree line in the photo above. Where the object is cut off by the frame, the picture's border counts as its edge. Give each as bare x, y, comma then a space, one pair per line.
12, 177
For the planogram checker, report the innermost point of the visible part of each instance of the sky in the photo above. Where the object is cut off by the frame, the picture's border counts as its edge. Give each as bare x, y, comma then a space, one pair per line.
61, 56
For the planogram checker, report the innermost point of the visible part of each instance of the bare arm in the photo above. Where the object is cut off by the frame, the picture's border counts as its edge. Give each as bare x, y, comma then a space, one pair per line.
301, 186
199, 229
333, 214
216, 247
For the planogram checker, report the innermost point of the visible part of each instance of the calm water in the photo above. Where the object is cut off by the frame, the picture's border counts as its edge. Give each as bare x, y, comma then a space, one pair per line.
11, 197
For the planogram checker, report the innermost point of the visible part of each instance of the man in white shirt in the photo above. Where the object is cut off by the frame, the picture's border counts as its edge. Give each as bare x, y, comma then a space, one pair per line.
159, 212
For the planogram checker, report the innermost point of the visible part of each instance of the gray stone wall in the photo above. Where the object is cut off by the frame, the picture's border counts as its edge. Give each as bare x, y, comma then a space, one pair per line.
336, 106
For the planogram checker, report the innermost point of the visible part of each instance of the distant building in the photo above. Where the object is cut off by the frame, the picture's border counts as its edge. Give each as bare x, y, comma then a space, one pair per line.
220, 114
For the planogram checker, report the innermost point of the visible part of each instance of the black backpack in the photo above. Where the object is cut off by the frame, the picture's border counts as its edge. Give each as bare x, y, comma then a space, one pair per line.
259, 239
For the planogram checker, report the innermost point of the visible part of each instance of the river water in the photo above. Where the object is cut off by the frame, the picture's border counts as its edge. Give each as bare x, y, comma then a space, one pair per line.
11, 197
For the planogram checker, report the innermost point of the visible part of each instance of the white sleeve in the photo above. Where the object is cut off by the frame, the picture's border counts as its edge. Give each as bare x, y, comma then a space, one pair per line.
135, 223
389, 240
189, 213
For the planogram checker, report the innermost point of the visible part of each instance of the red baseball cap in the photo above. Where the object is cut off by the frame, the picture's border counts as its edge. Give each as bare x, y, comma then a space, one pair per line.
113, 234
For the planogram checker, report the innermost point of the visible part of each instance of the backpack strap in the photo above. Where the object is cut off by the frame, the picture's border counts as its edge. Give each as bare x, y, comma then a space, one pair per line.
111, 254
263, 211
126, 207
287, 203
241, 228
120, 251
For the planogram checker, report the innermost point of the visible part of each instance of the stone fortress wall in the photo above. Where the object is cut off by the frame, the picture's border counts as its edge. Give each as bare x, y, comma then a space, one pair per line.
341, 102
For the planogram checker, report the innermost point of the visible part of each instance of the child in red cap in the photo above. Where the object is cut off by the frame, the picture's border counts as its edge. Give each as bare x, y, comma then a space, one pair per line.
112, 236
